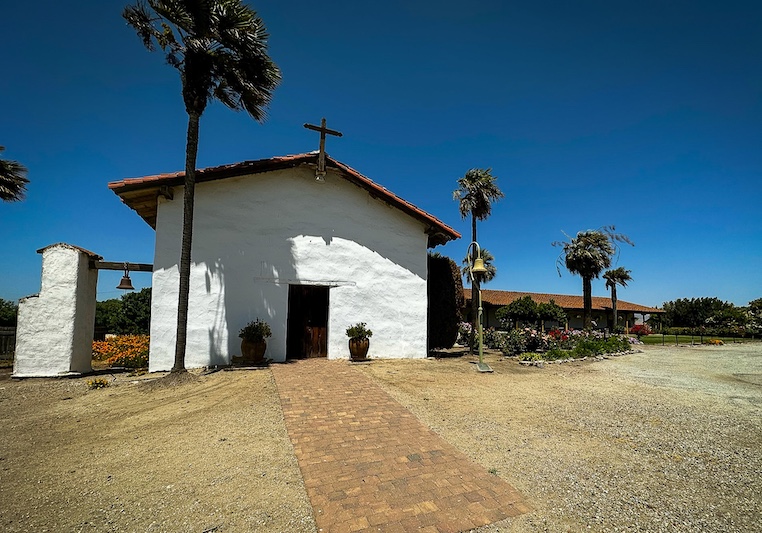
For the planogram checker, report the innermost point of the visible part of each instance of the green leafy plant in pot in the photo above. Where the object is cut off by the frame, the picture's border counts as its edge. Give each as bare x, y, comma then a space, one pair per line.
359, 342
253, 341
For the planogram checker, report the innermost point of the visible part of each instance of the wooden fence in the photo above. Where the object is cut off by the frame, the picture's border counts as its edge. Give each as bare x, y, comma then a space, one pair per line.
7, 342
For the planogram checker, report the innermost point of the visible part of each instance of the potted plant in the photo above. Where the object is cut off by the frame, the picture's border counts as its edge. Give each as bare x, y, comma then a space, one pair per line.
359, 341
253, 343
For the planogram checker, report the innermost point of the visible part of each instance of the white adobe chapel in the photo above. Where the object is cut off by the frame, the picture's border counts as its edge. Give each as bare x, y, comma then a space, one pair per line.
309, 256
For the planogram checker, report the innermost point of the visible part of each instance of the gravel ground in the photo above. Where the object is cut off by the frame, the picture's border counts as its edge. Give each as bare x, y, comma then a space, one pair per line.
669, 439
207, 454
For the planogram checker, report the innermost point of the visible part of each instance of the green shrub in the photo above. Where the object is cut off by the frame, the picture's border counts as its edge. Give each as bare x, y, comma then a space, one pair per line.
531, 356
616, 344
359, 331
256, 330
587, 347
445, 295
557, 353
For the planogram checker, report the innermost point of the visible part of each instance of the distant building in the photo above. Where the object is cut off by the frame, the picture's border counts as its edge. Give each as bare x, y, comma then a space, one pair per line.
573, 305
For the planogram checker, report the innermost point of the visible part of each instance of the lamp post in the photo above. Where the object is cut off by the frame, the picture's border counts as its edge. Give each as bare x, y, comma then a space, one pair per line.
476, 268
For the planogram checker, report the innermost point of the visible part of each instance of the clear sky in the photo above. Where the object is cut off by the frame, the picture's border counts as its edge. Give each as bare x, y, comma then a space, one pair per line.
645, 115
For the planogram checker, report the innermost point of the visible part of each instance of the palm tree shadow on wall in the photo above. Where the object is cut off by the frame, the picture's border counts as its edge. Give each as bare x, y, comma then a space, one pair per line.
241, 286
215, 277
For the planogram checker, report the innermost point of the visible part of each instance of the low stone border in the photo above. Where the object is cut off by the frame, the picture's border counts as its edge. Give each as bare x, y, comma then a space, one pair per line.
543, 362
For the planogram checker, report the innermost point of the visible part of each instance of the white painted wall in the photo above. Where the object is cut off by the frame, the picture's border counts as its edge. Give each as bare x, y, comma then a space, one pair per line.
55, 327
253, 236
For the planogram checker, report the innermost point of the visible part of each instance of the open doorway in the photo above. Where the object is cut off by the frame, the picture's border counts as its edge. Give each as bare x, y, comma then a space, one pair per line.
307, 328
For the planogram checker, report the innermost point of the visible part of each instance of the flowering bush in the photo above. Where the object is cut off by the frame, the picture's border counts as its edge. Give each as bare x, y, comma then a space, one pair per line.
562, 339
464, 333
493, 338
514, 342
130, 351
640, 330
97, 383
562, 344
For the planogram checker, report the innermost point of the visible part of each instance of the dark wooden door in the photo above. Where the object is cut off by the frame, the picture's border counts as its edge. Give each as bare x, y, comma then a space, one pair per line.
307, 329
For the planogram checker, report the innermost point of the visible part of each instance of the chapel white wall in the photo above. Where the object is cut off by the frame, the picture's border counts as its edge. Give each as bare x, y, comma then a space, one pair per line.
254, 236
55, 327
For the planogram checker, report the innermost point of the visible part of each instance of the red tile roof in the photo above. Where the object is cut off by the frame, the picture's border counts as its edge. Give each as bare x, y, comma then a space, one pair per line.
600, 303
92, 255
141, 194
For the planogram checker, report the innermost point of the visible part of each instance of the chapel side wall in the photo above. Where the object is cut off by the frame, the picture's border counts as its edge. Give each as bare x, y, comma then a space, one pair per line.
255, 236
164, 291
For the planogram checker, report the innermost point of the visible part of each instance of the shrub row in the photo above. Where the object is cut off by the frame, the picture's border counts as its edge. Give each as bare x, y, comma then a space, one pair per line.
708, 331
555, 344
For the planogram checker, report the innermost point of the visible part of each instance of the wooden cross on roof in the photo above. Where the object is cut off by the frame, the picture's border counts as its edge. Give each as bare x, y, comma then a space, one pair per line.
320, 173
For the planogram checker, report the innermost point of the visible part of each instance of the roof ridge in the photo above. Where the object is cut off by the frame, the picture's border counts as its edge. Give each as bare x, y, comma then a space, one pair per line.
140, 193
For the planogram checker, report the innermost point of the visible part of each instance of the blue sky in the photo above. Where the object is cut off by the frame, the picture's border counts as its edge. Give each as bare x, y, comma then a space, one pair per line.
645, 115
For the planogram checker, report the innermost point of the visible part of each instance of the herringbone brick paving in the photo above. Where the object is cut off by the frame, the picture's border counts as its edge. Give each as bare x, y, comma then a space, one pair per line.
370, 465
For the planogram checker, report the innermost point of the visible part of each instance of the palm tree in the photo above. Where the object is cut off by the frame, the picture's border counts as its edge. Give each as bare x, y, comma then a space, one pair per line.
488, 264
13, 180
220, 49
588, 254
614, 277
477, 190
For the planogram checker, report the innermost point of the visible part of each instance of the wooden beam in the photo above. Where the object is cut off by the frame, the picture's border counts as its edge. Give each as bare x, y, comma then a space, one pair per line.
132, 267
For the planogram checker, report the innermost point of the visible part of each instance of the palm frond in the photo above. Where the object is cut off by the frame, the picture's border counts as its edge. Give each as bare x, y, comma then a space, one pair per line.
476, 192
219, 47
13, 180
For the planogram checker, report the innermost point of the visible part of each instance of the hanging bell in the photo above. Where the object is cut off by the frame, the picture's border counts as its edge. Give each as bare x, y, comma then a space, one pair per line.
479, 267
126, 283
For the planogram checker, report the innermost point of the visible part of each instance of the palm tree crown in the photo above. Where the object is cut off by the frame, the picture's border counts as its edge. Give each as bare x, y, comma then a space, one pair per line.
13, 180
477, 190
588, 254
617, 276
220, 49
614, 277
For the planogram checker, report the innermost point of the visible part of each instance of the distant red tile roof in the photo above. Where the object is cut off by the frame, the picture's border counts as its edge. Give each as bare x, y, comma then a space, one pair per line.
500, 298
141, 194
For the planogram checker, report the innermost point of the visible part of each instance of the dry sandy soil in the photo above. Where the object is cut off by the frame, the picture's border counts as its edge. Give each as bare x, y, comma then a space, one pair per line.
669, 439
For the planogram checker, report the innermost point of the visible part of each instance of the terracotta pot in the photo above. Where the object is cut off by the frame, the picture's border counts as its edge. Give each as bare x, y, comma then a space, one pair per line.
253, 351
358, 349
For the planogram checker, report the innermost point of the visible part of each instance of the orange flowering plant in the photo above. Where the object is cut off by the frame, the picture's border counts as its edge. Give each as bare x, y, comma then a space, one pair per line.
130, 351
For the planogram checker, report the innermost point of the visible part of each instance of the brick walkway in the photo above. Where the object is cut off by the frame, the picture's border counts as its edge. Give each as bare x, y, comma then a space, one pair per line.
370, 465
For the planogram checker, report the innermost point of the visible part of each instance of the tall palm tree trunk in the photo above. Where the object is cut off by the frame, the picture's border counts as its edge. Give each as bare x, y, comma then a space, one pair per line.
587, 296
191, 150
474, 292
613, 307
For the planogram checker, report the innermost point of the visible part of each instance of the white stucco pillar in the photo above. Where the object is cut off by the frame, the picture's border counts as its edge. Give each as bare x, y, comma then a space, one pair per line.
55, 327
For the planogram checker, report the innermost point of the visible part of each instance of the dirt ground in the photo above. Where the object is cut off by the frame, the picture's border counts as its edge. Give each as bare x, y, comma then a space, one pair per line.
669, 439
